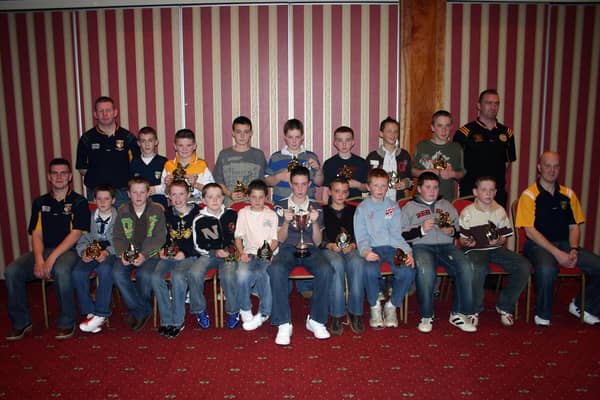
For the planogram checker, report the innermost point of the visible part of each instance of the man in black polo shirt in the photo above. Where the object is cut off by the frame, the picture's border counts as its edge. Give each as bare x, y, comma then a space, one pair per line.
551, 214
105, 151
57, 221
488, 147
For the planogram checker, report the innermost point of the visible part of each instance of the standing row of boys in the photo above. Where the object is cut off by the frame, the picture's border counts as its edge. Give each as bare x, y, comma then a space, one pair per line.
68, 243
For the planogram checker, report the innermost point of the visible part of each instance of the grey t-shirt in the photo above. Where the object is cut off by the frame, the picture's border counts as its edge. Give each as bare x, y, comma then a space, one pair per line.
427, 151
233, 166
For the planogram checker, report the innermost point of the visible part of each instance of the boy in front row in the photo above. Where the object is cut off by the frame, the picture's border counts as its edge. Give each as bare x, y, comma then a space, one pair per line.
256, 225
483, 243
432, 237
139, 228
378, 227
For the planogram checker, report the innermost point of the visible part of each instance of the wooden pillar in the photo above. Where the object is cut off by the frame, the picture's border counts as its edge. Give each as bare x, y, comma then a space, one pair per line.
422, 50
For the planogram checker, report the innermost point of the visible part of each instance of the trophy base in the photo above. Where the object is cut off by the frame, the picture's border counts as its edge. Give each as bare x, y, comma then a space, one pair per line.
302, 252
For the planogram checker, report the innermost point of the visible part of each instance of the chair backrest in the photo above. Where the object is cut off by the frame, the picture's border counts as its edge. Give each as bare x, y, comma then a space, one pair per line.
461, 203
238, 205
402, 202
520, 236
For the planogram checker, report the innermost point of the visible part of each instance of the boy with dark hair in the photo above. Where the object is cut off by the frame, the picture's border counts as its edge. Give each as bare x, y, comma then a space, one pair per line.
138, 235
240, 163
105, 151
256, 225
58, 219
97, 254
378, 227
430, 224
149, 164
440, 156
345, 162
197, 173
392, 158
277, 174
213, 230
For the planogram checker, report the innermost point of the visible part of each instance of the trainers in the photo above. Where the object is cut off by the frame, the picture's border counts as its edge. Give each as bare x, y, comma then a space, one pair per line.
506, 319
203, 319
317, 328
462, 322
255, 322
474, 319
587, 317
376, 320
356, 324
164, 330
539, 321
65, 333
380, 297
18, 334
233, 320
140, 324
335, 326
284, 334
174, 331
390, 320
246, 315
93, 324
426, 325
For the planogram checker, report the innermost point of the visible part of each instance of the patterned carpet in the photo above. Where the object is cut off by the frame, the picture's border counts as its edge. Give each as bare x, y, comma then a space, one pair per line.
522, 362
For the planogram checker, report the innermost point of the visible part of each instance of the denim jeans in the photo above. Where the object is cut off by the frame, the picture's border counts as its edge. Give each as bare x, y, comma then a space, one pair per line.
458, 266
353, 265
254, 274
20, 271
171, 305
401, 281
195, 278
138, 294
516, 265
81, 281
546, 271
279, 271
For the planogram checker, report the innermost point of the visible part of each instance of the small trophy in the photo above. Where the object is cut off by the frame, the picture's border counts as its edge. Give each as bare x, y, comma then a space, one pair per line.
131, 253
233, 256
444, 220
294, 163
492, 232
342, 240
264, 253
179, 175
401, 257
394, 179
171, 248
93, 250
440, 163
345, 173
240, 187
301, 222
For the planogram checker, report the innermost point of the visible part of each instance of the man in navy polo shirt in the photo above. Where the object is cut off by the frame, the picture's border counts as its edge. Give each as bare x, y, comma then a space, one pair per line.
57, 221
105, 151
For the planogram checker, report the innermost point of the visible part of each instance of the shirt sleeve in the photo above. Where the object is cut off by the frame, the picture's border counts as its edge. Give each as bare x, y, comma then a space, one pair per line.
525, 210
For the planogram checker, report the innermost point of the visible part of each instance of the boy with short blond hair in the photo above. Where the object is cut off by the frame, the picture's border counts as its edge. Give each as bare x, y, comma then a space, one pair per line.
378, 227
150, 165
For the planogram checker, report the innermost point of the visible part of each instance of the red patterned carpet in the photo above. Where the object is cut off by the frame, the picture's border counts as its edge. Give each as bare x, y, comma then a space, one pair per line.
523, 362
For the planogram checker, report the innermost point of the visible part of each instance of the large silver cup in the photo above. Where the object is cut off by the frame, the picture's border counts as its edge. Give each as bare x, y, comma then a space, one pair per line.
301, 222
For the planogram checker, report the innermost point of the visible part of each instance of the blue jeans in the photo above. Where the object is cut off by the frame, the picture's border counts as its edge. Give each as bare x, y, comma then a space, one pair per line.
171, 307
546, 271
401, 282
254, 273
138, 294
353, 266
279, 271
458, 266
20, 271
81, 281
195, 278
515, 264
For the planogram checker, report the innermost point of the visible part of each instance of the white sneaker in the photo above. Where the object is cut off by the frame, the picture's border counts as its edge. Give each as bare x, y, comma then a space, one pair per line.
539, 321
246, 315
255, 322
376, 320
284, 334
462, 322
587, 317
390, 320
93, 325
426, 325
474, 319
506, 318
317, 328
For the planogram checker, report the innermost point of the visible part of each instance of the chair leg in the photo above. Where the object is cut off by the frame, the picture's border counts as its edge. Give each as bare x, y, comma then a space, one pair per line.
45, 303
405, 308
582, 316
221, 312
528, 301
215, 302
154, 310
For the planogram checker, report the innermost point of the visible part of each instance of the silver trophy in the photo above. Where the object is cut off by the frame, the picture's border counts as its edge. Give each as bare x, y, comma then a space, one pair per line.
131, 253
301, 222
492, 232
264, 253
343, 239
394, 179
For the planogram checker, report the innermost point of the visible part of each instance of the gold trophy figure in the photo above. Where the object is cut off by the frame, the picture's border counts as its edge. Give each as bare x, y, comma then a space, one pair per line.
401, 257
440, 163
345, 173
179, 175
171, 248
131, 253
301, 222
93, 250
343, 239
444, 220
294, 163
264, 252
492, 233
240, 187
233, 255
394, 179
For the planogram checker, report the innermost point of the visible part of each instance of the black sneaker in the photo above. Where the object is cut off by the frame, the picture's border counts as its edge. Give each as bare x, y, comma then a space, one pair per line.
174, 331
18, 334
357, 324
335, 326
164, 330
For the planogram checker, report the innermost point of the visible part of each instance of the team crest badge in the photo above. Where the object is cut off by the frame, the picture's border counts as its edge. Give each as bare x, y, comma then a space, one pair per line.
119, 144
157, 174
563, 205
478, 138
68, 207
502, 137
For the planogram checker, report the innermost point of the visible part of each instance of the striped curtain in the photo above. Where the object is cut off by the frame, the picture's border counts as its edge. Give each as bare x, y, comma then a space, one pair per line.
544, 61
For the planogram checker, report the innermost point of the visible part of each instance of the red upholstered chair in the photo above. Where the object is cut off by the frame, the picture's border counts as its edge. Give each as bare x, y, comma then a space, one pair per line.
563, 272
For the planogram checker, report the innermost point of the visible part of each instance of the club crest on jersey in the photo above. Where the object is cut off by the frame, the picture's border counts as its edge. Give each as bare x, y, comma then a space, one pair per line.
389, 212
68, 207
119, 144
